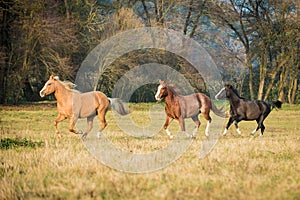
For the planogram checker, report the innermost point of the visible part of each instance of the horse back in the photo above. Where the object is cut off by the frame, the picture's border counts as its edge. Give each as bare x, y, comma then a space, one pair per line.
91, 102
253, 109
193, 104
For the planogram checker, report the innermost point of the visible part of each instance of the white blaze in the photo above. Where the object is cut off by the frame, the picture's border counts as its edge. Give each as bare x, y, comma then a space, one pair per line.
157, 93
219, 93
42, 95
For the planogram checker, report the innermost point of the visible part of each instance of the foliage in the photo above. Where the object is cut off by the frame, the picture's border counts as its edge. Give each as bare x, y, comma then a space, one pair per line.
255, 44
10, 143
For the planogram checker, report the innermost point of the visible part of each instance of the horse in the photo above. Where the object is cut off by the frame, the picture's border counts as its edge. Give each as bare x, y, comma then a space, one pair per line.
74, 105
240, 109
180, 107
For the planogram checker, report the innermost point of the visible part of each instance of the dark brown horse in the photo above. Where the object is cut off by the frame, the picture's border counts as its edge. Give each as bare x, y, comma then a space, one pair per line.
180, 107
246, 110
73, 104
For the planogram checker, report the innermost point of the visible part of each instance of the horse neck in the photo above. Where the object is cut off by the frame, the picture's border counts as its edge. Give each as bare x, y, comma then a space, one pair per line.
170, 98
233, 99
61, 93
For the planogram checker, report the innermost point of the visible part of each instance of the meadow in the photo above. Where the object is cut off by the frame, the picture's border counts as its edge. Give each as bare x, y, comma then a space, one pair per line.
34, 164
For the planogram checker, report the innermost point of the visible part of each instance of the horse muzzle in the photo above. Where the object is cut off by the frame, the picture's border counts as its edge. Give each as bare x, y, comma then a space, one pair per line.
42, 93
158, 99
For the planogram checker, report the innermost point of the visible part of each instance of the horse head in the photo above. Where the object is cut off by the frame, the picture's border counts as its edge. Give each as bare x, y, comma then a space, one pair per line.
162, 91
224, 92
227, 92
49, 86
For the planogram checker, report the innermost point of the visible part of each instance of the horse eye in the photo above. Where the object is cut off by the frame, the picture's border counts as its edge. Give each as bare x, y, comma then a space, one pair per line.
49, 84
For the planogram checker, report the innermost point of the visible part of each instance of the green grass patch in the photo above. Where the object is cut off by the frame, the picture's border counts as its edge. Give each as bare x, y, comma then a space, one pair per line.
9, 143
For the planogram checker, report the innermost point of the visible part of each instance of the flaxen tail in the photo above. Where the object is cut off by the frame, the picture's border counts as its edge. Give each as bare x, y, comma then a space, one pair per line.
218, 111
117, 105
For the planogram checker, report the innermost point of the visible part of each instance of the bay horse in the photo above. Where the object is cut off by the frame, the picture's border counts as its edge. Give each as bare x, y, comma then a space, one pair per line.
241, 109
180, 107
74, 105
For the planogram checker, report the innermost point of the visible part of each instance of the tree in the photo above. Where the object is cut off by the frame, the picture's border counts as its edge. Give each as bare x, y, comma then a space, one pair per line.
265, 30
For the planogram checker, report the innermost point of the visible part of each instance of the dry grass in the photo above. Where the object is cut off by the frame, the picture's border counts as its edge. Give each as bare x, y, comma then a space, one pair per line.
237, 168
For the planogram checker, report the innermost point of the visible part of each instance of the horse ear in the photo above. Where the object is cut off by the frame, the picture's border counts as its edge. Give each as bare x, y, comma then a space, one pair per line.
51, 77
228, 86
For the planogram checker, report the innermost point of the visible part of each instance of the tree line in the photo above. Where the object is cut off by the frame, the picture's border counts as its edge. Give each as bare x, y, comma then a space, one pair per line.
255, 43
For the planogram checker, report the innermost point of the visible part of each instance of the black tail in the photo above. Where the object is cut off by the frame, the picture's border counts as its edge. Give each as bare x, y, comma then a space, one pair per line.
117, 105
276, 104
217, 111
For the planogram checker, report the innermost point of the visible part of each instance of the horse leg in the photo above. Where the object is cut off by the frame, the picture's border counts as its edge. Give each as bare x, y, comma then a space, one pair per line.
73, 121
262, 129
101, 115
90, 125
259, 125
56, 121
182, 126
256, 129
208, 118
197, 122
166, 125
237, 127
230, 121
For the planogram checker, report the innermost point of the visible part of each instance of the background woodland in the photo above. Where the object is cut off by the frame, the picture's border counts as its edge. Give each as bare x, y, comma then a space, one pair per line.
255, 43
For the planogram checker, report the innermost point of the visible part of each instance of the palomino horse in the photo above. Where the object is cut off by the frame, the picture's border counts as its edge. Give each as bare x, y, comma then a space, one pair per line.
246, 110
73, 104
180, 107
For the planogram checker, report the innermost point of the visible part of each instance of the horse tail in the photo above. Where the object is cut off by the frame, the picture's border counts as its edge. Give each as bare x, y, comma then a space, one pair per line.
117, 105
218, 111
276, 104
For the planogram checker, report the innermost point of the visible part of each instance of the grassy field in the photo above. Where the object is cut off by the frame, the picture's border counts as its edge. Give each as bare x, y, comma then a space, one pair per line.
37, 165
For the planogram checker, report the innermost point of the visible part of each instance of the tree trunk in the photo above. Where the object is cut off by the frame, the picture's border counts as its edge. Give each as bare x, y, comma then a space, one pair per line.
188, 17
147, 13
262, 73
159, 11
294, 91
282, 84
67, 9
272, 78
5, 50
249, 65
197, 19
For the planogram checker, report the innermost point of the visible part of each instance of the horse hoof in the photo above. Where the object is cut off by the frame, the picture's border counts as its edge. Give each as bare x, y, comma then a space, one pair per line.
171, 136
83, 136
98, 134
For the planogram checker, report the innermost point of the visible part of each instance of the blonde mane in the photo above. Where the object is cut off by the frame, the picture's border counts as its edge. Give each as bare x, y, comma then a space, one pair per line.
68, 85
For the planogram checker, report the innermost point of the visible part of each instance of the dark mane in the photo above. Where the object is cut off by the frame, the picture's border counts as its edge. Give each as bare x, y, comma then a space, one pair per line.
234, 91
173, 89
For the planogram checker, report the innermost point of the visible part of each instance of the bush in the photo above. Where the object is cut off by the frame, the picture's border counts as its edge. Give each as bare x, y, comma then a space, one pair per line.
9, 143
